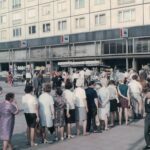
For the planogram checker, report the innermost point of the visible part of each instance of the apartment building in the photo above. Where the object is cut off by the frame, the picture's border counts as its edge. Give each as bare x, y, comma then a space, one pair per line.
53, 31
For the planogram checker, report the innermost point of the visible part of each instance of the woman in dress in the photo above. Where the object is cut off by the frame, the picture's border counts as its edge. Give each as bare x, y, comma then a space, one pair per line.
59, 103
70, 107
124, 100
81, 107
113, 97
8, 110
30, 107
104, 110
46, 111
10, 78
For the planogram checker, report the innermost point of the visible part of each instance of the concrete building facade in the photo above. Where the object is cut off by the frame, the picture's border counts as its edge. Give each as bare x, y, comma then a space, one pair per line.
115, 32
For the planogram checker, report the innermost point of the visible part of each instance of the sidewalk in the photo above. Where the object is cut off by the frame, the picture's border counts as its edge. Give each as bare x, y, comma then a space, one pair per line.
123, 137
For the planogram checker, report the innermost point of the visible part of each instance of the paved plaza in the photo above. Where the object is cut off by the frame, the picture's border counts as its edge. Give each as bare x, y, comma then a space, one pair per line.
118, 138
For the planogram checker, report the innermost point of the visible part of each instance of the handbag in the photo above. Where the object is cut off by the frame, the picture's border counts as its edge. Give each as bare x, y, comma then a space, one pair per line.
38, 130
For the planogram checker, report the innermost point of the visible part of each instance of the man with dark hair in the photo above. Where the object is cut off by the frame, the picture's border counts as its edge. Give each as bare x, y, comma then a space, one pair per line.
92, 104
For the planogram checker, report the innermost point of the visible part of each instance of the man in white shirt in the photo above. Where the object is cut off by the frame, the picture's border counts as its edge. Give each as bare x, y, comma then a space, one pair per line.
87, 75
135, 89
75, 76
81, 76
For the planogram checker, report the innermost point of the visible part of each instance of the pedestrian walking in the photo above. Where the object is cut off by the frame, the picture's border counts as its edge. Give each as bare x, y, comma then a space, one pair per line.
124, 100
8, 110
10, 79
59, 121
46, 111
81, 107
92, 104
104, 109
30, 107
135, 90
70, 107
113, 97
147, 119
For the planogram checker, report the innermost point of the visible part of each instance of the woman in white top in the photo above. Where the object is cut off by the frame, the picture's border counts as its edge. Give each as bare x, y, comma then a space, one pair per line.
46, 111
70, 107
81, 107
30, 107
113, 97
104, 110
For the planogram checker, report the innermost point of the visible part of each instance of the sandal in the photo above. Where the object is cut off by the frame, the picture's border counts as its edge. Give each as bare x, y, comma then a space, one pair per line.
106, 129
86, 134
34, 144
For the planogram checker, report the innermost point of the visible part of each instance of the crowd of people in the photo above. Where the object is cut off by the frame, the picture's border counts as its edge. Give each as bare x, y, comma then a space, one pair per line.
94, 101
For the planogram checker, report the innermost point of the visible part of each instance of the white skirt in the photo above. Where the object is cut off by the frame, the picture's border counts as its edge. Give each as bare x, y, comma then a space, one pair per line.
103, 112
46, 121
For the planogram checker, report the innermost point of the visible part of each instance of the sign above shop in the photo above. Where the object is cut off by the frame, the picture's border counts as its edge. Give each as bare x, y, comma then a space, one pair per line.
124, 32
79, 63
65, 39
23, 44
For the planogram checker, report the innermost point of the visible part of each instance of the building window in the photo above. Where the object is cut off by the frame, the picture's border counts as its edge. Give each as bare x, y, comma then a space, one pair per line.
46, 27
31, 13
32, 29
17, 32
3, 19
61, 6
46, 10
16, 3
100, 19
126, 15
80, 22
121, 2
16, 19
79, 4
98, 2
3, 4
62, 25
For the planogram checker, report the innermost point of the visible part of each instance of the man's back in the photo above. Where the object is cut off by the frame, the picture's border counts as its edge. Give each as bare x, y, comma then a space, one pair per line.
91, 95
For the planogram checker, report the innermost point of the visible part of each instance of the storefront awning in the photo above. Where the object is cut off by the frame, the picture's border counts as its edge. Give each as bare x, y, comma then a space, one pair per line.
79, 63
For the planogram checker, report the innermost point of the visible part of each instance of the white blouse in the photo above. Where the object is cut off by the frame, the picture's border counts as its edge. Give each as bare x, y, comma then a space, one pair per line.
80, 97
29, 103
70, 99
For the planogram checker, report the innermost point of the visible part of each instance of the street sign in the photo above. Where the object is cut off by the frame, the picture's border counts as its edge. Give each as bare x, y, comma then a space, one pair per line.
23, 44
65, 39
124, 32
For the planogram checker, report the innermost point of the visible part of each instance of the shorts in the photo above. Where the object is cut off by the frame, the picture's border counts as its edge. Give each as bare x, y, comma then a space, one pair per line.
72, 118
30, 119
113, 105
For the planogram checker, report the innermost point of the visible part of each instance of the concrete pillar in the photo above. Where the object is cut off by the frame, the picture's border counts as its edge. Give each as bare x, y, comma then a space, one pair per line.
0, 67
127, 64
32, 68
14, 68
134, 64
100, 48
127, 61
50, 58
